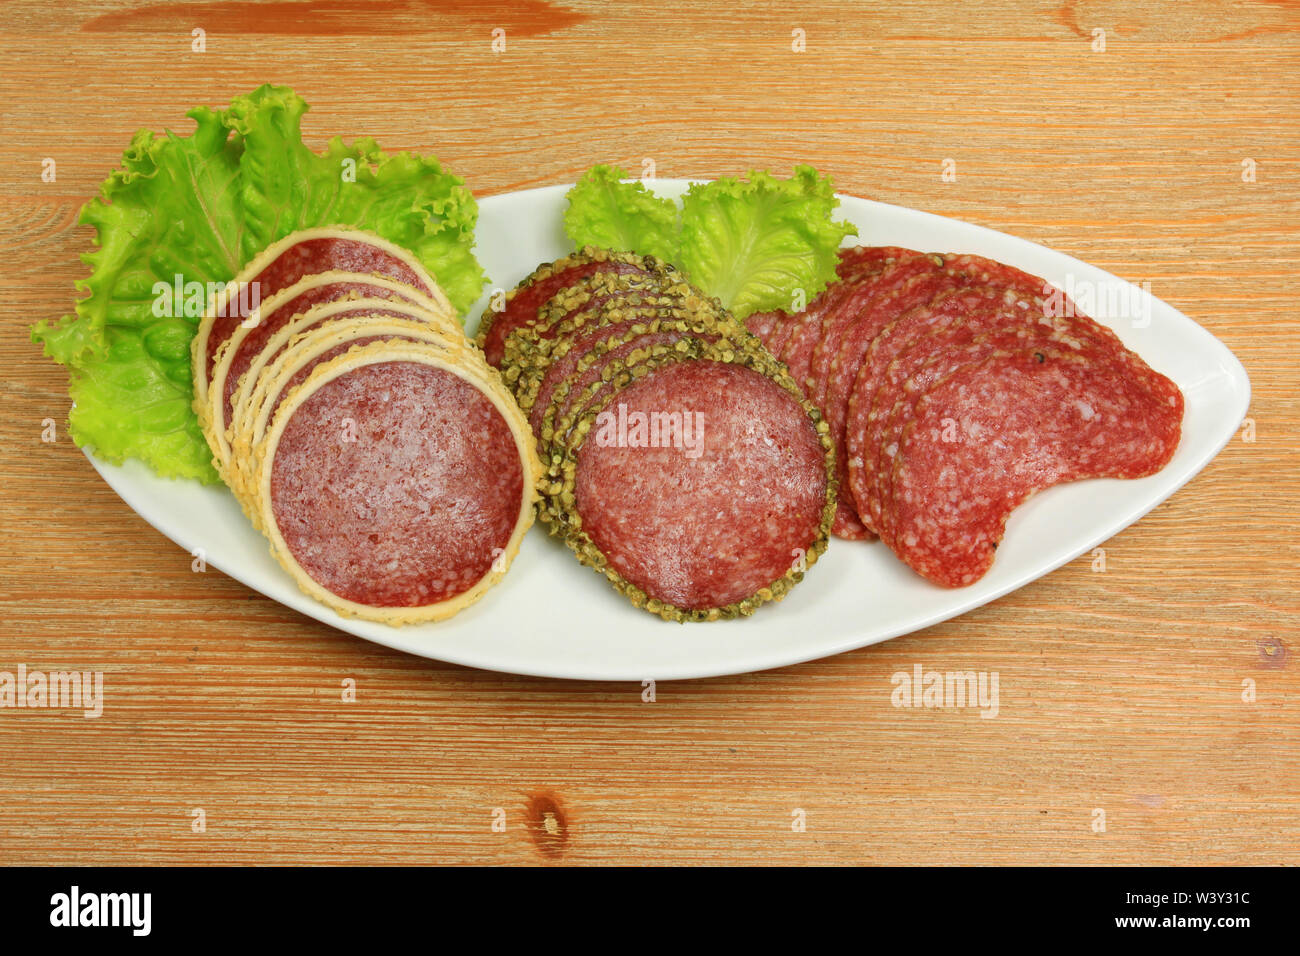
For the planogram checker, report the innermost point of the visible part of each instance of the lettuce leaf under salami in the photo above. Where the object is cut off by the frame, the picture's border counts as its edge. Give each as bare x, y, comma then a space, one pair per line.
183, 212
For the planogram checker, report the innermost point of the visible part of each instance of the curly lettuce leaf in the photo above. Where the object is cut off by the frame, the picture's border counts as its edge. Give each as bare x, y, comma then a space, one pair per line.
409, 200
754, 243
171, 210
194, 210
604, 211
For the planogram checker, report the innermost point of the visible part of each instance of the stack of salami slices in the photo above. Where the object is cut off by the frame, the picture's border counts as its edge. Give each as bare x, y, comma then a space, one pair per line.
363, 434
955, 387
680, 459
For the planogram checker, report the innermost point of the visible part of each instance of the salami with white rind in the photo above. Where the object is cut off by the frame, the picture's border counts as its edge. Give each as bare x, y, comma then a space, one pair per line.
395, 487
303, 353
300, 254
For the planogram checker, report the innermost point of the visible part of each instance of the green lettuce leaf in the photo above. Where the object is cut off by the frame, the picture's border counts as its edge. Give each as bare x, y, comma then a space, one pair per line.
194, 210
754, 244
409, 200
171, 210
625, 217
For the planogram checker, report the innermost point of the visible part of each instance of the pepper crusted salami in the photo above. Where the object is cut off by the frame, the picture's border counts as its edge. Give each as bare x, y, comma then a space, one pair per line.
547, 281
577, 357
579, 312
614, 370
710, 527
993, 433
394, 486
578, 367
285, 262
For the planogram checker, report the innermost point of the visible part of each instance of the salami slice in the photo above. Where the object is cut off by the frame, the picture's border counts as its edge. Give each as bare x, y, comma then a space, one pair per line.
762, 324
221, 412
721, 517
283, 263
995, 432
394, 486
243, 345
945, 354
594, 303
546, 282
875, 388
308, 349
875, 271
855, 339
590, 379
576, 367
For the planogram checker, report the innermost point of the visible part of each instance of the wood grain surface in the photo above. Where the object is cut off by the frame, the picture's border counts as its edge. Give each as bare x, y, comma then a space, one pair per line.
1127, 692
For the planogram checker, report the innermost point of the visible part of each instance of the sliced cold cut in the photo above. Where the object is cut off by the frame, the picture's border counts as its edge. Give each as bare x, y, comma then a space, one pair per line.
714, 524
285, 262
395, 486
992, 433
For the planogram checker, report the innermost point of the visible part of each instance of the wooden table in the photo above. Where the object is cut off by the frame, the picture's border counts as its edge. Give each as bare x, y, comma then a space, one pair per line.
1120, 691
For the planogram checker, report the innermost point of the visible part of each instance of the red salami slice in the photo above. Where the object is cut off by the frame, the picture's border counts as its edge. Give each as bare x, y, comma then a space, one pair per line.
304, 254
549, 280
276, 316
877, 377
871, 273
948, 352
587, 387
763, 324
885, 268
581, 365
995, 432
705, 525
856, 339
396, 484
805, 332
780, 333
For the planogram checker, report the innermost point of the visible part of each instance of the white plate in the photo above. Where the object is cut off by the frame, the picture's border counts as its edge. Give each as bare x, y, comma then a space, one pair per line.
554, 618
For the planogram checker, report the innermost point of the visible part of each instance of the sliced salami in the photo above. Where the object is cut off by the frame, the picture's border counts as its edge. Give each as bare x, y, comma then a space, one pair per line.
722, 515
995, 432
222, 413
296, 256
875, 388
394, 486
546, 282
306, 351
243, 345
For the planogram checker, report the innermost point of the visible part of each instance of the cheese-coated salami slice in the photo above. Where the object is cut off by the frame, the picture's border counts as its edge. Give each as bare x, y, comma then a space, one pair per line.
394, 487
296, 256
251, 336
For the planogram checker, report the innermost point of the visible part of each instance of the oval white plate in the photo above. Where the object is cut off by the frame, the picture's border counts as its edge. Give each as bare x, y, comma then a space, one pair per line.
552, 617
